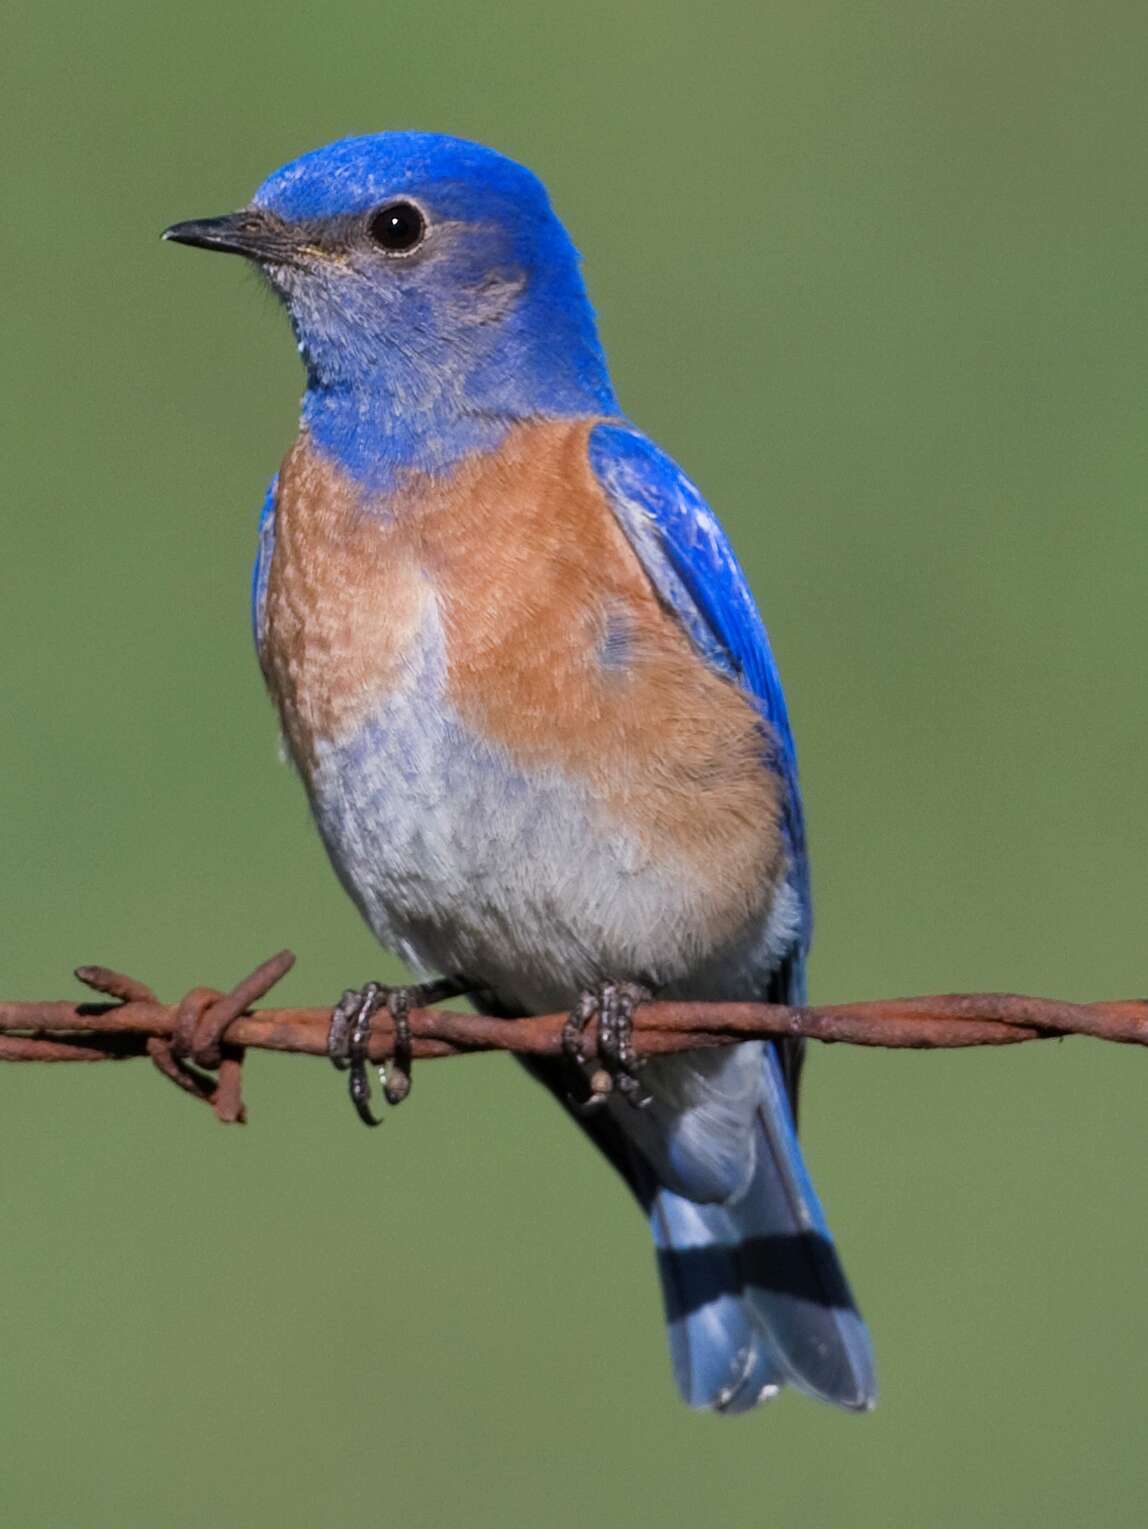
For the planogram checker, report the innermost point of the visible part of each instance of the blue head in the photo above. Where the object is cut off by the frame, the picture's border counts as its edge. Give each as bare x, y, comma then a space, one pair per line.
435, 297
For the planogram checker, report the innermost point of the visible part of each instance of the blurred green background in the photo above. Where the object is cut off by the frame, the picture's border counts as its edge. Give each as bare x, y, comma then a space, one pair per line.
876, 274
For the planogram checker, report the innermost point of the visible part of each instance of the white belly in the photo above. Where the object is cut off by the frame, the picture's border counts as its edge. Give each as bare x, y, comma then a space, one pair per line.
462, 864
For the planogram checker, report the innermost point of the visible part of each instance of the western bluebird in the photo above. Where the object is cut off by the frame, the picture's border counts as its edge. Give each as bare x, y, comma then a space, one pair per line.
536, 713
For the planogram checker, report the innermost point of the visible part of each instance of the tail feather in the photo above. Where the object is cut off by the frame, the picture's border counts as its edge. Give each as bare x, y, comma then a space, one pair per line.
793, 1282
719, 1354
755, 1297
754, 1293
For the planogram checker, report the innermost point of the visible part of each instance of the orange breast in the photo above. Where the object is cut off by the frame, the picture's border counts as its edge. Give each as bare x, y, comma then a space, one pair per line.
555, 644
346, 598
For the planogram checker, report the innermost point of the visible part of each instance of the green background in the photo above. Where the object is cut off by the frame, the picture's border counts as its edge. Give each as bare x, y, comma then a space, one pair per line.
877, 274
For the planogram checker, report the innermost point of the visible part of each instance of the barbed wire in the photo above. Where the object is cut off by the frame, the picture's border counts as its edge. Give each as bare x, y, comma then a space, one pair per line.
199, 1043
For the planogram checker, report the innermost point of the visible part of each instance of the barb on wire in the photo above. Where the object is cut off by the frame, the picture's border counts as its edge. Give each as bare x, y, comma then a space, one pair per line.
200, 1042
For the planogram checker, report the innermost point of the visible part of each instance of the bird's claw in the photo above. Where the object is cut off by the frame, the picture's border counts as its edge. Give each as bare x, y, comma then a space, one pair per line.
613, 1003
349, 1038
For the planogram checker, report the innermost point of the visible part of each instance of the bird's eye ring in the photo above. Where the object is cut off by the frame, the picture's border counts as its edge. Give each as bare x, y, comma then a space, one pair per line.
398, 228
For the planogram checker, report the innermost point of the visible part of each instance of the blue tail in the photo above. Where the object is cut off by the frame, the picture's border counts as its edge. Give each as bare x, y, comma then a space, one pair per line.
720, 1355
755, 1296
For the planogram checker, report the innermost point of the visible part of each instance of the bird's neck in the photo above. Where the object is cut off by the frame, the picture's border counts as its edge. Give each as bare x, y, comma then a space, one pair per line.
376, 438
426, 407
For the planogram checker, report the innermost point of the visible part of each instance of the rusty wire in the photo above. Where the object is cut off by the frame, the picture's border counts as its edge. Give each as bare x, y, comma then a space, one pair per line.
199, 1043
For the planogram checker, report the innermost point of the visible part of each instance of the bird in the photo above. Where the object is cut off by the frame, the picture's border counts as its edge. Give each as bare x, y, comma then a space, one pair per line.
535, 710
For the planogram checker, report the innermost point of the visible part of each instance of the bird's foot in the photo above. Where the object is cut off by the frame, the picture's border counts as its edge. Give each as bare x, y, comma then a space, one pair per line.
349, 1038
619, 1066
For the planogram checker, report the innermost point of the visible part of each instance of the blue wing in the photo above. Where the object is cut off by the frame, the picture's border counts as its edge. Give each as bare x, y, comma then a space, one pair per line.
692, 567
263, 560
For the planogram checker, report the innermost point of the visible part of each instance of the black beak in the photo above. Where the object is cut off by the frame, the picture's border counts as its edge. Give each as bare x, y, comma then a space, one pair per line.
252, 233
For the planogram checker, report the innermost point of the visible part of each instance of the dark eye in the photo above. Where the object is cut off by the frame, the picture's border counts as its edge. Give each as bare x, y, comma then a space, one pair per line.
398, 227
